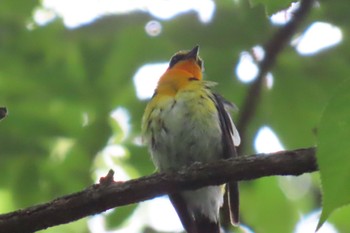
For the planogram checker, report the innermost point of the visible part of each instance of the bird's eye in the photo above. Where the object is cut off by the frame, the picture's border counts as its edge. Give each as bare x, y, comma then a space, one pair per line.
175, 59
200, 63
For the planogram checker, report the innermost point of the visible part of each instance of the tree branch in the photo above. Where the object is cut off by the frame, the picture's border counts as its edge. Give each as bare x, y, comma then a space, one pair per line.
272, 48
109, 194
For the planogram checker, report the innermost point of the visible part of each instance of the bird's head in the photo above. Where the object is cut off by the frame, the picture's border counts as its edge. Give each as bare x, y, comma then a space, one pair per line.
189, 61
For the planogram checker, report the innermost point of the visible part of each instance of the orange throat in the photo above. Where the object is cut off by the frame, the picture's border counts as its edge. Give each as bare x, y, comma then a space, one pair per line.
178, 77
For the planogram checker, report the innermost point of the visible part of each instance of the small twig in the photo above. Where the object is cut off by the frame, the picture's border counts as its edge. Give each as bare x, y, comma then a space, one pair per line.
108, 179
272, 48
100, 197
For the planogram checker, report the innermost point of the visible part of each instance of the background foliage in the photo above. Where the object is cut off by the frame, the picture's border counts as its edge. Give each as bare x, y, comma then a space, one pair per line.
61, 85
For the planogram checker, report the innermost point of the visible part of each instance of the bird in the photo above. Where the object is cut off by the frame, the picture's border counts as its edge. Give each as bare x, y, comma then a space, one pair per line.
187, 122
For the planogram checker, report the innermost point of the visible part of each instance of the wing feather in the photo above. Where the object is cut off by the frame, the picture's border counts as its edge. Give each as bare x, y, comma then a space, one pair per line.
230, 139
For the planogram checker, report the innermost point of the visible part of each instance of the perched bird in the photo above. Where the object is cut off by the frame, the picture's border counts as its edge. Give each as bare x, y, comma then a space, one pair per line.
186, 122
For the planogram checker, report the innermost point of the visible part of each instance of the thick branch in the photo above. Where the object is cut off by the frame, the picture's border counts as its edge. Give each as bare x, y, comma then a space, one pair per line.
109, 194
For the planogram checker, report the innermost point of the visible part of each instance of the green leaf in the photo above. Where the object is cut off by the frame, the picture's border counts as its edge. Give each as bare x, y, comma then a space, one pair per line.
333, 152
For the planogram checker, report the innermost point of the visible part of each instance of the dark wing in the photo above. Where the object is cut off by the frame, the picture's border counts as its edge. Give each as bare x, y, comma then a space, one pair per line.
229, 151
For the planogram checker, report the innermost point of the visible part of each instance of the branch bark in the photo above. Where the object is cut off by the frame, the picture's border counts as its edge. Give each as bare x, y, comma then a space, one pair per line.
109, 194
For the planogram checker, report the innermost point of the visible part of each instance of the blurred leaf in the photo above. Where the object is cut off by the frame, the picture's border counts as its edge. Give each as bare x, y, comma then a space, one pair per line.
336, 13
118, 216
79, 226
272, 6
6, 204
300, 90
27, 181
20, 12
340, 218
265, 208
141, 160
332, 154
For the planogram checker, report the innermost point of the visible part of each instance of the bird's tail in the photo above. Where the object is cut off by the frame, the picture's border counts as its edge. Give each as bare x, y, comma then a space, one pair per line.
193, 223
206, 225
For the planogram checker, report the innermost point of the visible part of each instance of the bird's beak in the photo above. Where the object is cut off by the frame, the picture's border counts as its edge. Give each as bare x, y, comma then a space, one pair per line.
193, 53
